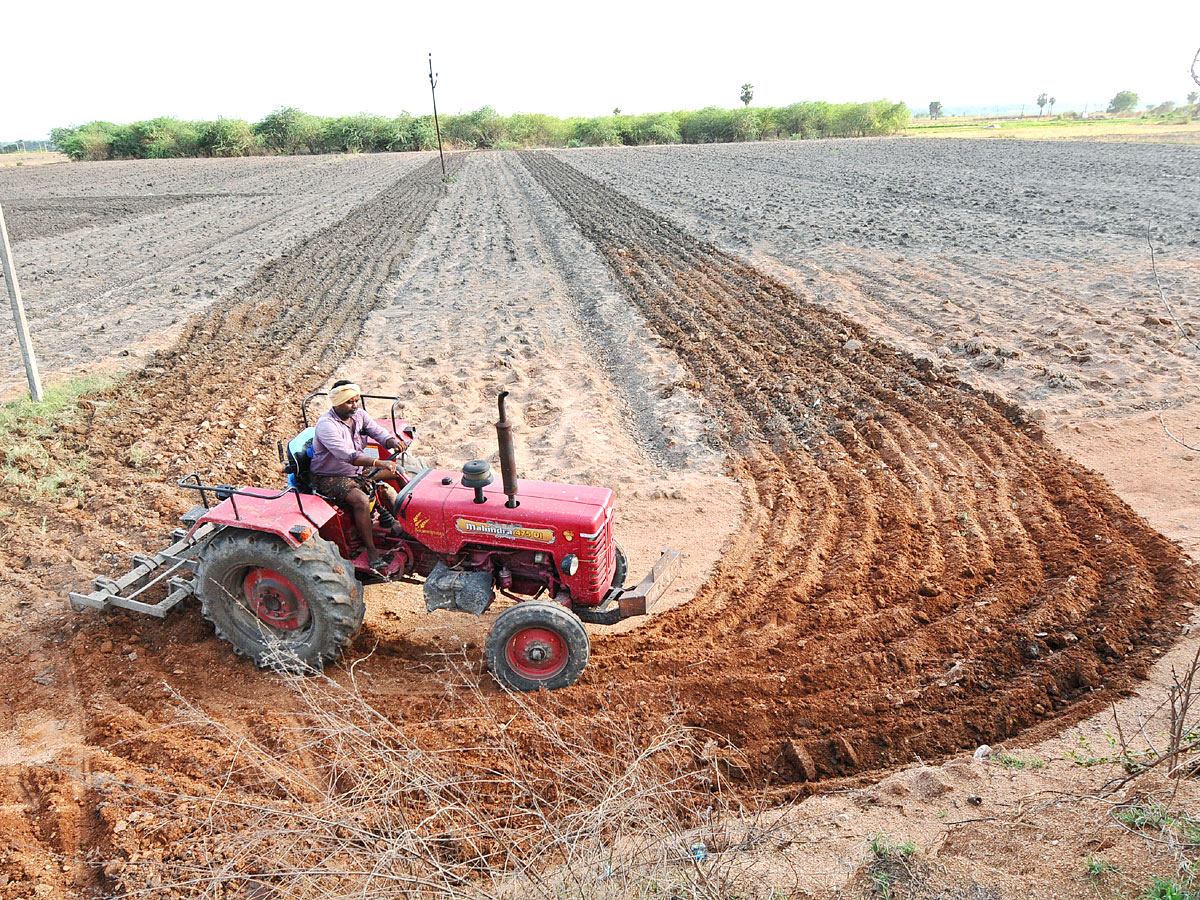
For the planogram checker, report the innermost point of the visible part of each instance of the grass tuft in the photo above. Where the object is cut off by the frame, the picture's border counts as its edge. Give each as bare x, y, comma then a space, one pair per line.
1098, 866
1012, 761
1167, 889
28, 464
883, 847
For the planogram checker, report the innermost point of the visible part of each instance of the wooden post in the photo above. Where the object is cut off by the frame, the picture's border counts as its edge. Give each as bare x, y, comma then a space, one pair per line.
433, 91
18, 311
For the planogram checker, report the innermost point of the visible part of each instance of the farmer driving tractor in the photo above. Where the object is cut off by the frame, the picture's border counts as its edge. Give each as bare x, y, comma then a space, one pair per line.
339, 458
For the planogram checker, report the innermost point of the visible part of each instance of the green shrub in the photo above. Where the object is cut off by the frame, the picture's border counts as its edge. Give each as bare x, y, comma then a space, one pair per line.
424, 134
92, 141
599, 132
290, 130
164, 138
226, 137
483, 128
538, 130
657, 128
744, 125
363, 133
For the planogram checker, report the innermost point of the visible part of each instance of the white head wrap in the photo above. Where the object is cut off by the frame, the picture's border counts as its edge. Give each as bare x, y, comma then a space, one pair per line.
339, 395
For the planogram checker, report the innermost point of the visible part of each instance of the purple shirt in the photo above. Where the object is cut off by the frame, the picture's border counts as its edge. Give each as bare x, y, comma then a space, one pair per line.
336, 442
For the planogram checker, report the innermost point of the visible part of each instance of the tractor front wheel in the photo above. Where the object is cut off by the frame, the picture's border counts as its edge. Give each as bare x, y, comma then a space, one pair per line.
620, 569
537, 644
293, 608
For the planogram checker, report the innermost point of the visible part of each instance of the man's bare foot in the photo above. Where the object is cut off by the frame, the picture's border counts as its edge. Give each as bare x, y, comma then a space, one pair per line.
380, 562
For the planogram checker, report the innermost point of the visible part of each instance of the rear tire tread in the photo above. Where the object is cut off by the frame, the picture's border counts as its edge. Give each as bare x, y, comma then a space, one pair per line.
334, 596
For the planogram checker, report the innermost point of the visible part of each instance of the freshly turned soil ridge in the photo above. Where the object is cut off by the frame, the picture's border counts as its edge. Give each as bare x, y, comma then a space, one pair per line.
917, 573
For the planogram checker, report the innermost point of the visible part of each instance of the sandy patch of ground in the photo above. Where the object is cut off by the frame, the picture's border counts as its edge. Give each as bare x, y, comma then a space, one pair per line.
1178, 132
43, 158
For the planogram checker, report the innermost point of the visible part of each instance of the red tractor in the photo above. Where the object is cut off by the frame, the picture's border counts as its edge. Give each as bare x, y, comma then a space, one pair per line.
280, 573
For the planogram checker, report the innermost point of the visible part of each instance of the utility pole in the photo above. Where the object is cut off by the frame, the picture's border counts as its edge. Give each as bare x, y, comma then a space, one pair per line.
18, 311
437, 127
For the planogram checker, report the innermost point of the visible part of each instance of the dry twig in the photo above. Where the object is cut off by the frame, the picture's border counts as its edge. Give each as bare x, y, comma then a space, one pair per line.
1162, 295
348, 802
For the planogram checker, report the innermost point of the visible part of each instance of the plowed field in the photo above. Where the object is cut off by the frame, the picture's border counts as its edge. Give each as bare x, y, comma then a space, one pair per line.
913, 568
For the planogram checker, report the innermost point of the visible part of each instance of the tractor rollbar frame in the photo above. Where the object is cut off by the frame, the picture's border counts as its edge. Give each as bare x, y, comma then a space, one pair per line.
392, 412
230, 493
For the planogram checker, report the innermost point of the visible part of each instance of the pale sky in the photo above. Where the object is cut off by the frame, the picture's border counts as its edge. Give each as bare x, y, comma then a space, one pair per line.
69, 62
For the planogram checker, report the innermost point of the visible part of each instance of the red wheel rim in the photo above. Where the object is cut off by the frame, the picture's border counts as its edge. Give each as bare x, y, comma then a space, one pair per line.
275, 600
536, 653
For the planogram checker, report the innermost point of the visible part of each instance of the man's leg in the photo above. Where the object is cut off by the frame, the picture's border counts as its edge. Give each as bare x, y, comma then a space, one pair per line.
388, 498
360, 509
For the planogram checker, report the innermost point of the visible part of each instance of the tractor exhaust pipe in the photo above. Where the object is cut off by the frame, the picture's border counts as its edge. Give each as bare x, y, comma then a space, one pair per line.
508, 455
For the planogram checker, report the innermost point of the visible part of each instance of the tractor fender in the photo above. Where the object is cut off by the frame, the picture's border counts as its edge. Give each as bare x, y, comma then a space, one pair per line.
291, 516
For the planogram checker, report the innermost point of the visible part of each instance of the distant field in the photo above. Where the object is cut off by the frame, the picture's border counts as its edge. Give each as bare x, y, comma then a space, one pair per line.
1177, 131
38, 158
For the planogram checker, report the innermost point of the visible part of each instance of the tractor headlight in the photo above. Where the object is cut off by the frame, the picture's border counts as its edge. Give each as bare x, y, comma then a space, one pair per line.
570, 564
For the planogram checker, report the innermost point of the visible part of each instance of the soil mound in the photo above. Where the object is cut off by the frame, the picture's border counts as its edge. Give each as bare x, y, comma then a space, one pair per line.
920, 571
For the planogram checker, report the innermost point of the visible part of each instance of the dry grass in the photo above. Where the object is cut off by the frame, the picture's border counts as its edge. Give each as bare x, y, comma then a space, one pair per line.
39, 158
348, 803
1099, 130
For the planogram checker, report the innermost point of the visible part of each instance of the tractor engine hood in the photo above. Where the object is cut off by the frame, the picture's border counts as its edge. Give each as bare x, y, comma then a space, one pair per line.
560, 518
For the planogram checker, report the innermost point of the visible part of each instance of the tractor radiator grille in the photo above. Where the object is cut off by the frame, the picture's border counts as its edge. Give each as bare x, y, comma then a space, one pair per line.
594, 559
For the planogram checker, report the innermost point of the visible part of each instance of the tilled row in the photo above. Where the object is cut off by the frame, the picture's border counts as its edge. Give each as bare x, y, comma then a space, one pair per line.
275, 338
919, 570
208, 402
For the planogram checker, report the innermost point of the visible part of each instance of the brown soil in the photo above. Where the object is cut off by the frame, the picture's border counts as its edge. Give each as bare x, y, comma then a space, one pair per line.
917, 569
905, 528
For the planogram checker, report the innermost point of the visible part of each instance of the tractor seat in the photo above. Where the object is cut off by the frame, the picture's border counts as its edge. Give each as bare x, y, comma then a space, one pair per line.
299, 461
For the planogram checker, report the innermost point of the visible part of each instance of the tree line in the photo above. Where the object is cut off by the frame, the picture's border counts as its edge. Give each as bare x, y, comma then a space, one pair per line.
288, 130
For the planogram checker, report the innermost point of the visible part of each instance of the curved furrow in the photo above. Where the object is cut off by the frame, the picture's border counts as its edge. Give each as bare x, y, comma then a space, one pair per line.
919, 572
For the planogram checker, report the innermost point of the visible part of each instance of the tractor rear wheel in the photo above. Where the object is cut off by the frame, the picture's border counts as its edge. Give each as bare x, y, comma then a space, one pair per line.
537, 644
293, 608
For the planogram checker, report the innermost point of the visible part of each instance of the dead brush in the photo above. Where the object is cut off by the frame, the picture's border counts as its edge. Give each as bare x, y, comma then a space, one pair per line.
1156, 812
350, 803
1181, 741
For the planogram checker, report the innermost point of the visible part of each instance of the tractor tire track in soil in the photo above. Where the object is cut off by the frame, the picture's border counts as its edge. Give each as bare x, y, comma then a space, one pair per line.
919, 572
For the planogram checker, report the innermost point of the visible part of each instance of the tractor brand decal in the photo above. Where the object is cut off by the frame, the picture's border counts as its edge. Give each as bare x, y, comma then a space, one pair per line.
568, 536
505, 530
420, 522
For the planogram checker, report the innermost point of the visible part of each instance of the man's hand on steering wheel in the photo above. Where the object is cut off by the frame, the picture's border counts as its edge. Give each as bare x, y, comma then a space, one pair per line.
376, 468
380, 467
